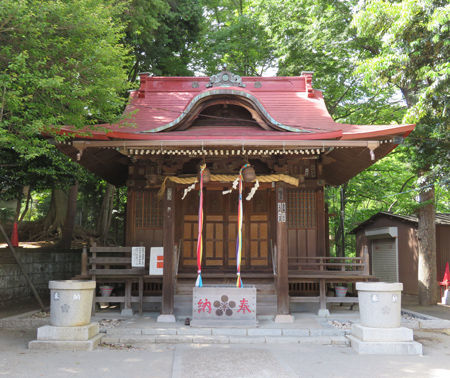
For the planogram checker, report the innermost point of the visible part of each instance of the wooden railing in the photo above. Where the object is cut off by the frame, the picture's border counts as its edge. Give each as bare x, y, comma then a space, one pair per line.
324, 270
324, 264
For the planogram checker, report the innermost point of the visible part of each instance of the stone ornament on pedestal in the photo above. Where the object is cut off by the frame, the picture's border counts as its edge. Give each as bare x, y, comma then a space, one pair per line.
70, 318
71, 302
380, 304
380, 314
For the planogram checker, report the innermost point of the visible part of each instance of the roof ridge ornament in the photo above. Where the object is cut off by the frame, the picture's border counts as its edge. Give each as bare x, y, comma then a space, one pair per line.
225, 78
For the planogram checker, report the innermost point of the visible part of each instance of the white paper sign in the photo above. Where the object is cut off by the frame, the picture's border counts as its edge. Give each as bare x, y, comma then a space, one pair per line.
156, 261
137, 257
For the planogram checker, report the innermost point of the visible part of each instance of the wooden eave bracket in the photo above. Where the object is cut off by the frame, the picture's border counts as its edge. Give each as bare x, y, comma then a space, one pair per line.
372, 145
80, 146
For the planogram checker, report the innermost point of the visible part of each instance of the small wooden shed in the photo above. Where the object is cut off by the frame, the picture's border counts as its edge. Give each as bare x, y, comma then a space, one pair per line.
392, 243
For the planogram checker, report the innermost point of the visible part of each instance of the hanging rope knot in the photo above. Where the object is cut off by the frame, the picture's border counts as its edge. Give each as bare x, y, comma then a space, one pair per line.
243, 167
199, 271
238, 273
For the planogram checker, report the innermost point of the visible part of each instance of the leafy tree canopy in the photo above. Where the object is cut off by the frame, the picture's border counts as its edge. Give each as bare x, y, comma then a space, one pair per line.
411, 55
61, 63
161, 34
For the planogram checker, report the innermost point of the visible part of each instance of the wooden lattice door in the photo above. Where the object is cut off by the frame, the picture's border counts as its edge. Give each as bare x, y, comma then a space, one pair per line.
220, 232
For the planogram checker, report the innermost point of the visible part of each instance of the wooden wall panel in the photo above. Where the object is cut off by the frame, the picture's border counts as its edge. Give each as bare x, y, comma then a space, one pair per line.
141, 226
442, 249
306, 223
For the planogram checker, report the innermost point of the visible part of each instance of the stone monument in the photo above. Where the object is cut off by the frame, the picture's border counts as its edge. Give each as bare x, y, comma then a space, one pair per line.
70, 318
380, 313
224, 306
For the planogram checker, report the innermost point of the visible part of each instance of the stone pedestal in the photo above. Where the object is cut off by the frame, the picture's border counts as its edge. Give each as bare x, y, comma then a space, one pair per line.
70, 316
284, 318
380, 312
78, 338
126, 312
368, 340
166, 318
323, 313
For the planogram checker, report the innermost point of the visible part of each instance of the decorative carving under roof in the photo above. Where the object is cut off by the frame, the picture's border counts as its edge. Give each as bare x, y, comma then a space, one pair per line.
225, 79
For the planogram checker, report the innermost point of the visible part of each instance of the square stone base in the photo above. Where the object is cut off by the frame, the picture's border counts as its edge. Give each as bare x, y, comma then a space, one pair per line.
284, 318
126, 312
67, 338
323, 313
385, 347
86, 345
166, 318
382, 334
80, 333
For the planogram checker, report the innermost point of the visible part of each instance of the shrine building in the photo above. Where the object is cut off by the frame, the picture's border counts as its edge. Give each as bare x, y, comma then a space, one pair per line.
281, 128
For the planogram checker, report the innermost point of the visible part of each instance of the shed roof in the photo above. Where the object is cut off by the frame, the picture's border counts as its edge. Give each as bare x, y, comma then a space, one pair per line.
441, 219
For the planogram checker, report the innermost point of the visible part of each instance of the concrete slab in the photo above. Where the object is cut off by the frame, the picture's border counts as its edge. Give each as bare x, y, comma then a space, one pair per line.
211, 340
223, 323
264, 332
80, 333
382, 334
434, 324
229, 331
284, 319
127, 312
385, 348
166, 318
295, 332
87, 345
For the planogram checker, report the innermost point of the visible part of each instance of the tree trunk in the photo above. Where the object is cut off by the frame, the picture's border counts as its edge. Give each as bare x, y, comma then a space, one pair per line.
67, 230
56, 215
27, 193
340, 232
426, 234
104, 220
18, 205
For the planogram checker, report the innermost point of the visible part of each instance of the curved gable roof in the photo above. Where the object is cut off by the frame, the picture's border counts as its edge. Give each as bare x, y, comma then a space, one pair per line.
285, 107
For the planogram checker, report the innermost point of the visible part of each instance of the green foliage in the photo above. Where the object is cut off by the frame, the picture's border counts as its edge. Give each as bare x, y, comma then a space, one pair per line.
413, 48
234, 35
161, 35
314, 35
61, 63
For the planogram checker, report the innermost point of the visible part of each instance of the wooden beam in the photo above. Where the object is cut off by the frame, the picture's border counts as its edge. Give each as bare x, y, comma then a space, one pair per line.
282, 250
227, 142
168, 244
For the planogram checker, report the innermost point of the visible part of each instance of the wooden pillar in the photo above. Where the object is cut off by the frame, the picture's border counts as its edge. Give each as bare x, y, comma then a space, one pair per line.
321, 226
168, 244
282, 255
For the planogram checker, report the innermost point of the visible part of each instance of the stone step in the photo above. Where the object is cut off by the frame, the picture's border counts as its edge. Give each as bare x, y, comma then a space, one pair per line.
222, 339
218, 331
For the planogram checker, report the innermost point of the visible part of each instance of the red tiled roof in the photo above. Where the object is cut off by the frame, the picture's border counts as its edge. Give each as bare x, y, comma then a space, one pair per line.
289, 103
